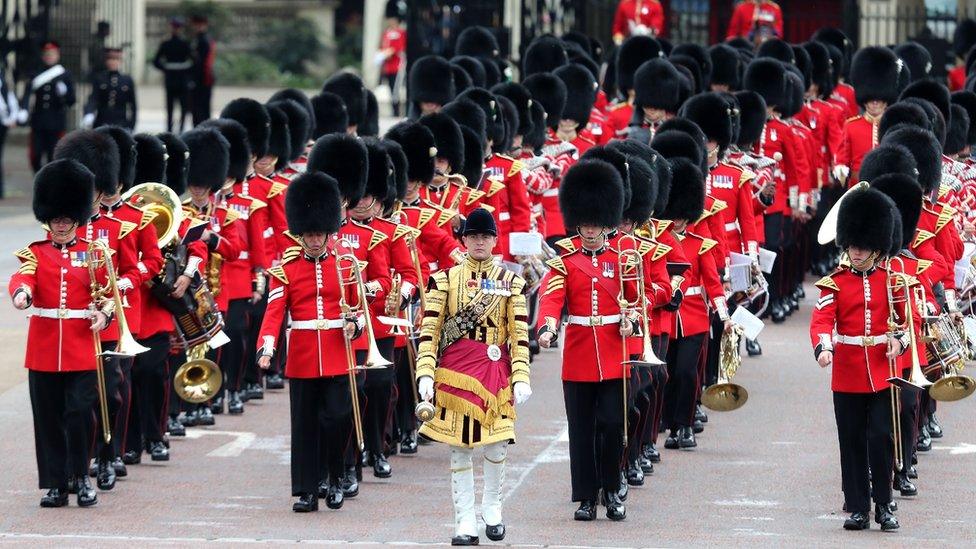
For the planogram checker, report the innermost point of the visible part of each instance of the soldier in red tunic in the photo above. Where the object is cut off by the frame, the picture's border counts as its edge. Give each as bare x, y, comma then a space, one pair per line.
306, 287
54, 279
637, 17
587, 282
849, 332
756, 20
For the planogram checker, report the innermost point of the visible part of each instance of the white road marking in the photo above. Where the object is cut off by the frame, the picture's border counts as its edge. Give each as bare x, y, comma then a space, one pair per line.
242, 441
745, 502
755, 518
961, 448
547, 455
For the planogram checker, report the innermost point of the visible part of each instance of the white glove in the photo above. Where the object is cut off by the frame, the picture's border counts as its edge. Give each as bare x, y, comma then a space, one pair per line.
88, 120
841, 173
22, 115
522, 392
61, 88
124, 285
425, 386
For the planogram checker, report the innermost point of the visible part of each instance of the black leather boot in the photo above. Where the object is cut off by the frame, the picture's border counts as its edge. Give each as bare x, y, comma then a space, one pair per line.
86, 492
753, 347
857, 521
55, 497
306, 503
106, 476
686, 438
884, 517
616, 510
904, 486
586, 510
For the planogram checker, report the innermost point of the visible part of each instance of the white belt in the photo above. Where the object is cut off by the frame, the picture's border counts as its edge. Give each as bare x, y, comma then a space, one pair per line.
861, 341
595, 320
734, 226
551, 192
323, 324
694, 290
504, 216
61, 313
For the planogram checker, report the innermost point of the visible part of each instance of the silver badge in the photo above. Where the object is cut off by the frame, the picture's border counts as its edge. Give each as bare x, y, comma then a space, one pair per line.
494, 353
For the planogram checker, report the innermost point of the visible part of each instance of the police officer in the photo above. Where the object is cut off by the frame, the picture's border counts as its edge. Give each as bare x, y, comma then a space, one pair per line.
112, 101
53, 93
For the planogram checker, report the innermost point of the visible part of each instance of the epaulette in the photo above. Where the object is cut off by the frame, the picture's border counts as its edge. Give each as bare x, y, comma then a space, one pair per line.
943, 190
853, 118
517, 166
147, 217
377, 238
707, 244
660, 251
279, 273
945, 216
644, 247
557, 264
276, 189
474, 195
295, 239
486, 207
231, 216
718, 205
661, 225
923, 265
405, 230
126, 227
921, 236
828, 283
493, 188
291, 253
28, 261
257, 204
566, 244
444, 216
746, 176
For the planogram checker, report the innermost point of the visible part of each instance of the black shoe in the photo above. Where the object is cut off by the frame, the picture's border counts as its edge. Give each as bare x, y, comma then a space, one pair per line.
408, 444
217, 405
586, 511
306, 503
645, 465
792, 304
381, 466
698, 427
131, 457
55, 497
616, 510
624, 490
334, 496
884, 517
158, 451
904, 486
858, 521
349, 484
495, 532
686, 438
72, 485
753, 347
255, 392
93, 468
671, 443
86, 493
799, 293
924, 443
935, 429
105, 477
464, 540
700, 414
206, 416
635, 473
777, 313
274, 381
120, 469
893, 506
235, 405
175, 428
912, 472
190, 419
652, 453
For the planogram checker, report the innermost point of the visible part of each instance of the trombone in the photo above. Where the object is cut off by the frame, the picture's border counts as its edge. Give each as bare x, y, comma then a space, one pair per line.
347, 262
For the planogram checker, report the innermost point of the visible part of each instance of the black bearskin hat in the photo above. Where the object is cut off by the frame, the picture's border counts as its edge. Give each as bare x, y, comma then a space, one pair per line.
874, 75
689, 128
701, 57
550, 92
344, 158
931, 91
633, 53
398, 182
477, 42
903, 112
511, 119
885, 159
474, 157
662, 169
685, 63
150, 159
576, 39
752, 117
380, 171
313, 204
240, 149
926, 151
957, 131
794, 93
371, 123
522, 99
209, 159
777, 49
255, 119
580, 93
733, 104
677, 144
616, 159
494, 123
713, 115
331, 115
687, 198
64, 188
462, 80
937, 123
467, 114
128, 155
545, 54
299, 97
657, 84
177, 162
98, 152
430, 81
643, 190
419, 147
967, 100
726, 66
804, 65
767, 77
350, 88
474, 68
964, 38
536, 137
447, 137
865, 221
836, 39
916, 58
279, 140
907, 196
821, 69
493, 73
299, 128
591, 193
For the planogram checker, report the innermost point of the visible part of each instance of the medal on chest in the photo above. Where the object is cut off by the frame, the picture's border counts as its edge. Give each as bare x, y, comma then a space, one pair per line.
607, 268
79, 258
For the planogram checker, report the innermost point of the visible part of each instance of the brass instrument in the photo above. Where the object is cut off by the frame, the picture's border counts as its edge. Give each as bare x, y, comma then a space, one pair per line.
725, 396
214, 262
199, 379
348, 312
99, 255
421, 411
392, 305
355, 280
162, 201
947, 354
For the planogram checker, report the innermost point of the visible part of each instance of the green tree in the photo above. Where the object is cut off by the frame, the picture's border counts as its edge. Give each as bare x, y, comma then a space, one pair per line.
291, 44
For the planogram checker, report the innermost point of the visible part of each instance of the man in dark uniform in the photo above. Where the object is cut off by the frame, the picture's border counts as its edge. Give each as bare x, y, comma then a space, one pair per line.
112, 101
175, 58
53, 91
204, 53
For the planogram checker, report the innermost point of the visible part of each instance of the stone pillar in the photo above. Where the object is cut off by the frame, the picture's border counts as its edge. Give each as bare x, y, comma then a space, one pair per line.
513, 20
138, 38
373, 11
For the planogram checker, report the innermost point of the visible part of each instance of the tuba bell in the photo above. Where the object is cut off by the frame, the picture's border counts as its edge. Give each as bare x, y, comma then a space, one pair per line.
725, 396
162, 201
199, 379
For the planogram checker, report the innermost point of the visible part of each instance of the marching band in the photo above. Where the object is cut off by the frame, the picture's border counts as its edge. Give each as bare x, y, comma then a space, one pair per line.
631, 215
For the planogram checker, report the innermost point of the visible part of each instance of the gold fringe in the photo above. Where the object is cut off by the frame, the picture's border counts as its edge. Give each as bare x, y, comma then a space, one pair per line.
497, 405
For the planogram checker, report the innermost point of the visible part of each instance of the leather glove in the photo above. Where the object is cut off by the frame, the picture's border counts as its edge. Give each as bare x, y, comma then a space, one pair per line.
522, 392
675, 301
425, 387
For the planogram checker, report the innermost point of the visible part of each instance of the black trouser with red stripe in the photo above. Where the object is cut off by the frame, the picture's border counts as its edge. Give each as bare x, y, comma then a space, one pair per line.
150, 393
252, 374
64, 424
320, 425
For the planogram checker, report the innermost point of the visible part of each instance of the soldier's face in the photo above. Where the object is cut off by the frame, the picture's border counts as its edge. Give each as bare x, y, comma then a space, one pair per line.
680, 224
314, 242
592, 236
265, 165
199, 194
364, 208
517, 142
654, 115
720, 87
427, 108
861, 258
62, 230
479, 245
875, 108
